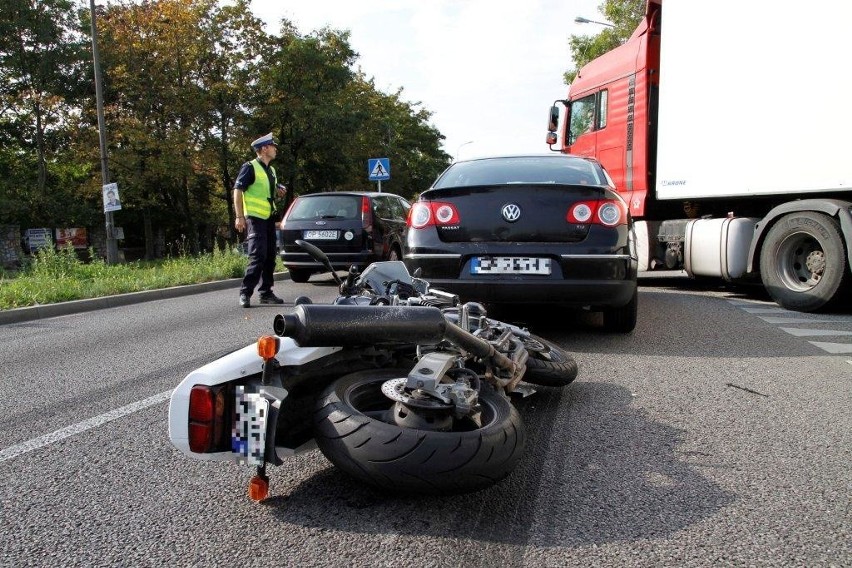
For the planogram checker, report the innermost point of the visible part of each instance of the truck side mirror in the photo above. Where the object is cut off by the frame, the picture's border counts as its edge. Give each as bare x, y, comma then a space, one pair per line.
553, 119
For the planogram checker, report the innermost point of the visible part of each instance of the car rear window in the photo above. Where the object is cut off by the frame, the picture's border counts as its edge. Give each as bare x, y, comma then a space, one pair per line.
500, 171
326, 207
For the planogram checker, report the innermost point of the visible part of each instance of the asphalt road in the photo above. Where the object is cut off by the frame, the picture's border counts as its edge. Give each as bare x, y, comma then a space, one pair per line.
714, 434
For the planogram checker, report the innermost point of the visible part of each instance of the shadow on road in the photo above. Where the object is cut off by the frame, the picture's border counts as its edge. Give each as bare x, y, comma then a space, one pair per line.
670, 324
596, 470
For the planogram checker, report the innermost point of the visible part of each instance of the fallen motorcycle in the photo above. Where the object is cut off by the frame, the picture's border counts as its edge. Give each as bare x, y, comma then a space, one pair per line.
398, 384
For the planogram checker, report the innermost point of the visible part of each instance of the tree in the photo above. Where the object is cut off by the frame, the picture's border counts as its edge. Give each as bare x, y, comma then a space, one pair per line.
40, 69
235, 40
330, 119
625, 15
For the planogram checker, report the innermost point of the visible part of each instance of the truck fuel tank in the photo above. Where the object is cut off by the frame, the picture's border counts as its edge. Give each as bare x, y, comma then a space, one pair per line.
718, 247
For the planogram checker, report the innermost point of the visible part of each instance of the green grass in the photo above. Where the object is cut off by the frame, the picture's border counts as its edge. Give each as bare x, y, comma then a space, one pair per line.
58, 276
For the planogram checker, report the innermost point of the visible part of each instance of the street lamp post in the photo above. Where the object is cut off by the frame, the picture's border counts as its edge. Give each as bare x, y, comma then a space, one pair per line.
111, 244
582, 20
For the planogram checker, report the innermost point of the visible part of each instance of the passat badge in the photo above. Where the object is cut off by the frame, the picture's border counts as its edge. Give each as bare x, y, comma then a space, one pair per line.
511, 212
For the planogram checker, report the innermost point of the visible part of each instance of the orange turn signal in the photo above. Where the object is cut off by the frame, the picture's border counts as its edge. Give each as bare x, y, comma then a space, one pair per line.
258, 488
267, 347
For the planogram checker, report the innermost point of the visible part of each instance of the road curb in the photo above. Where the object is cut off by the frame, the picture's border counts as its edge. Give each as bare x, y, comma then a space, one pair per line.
30, 313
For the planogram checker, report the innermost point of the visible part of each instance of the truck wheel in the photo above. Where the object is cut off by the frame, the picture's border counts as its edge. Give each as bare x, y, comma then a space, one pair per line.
548, 364
623, 319
354, 429
803, 262
299, 275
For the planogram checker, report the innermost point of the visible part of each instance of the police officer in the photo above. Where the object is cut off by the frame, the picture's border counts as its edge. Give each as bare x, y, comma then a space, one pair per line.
254, 193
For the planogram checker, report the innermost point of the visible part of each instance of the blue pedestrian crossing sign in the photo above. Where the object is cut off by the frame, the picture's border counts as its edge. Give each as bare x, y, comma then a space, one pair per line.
378, 169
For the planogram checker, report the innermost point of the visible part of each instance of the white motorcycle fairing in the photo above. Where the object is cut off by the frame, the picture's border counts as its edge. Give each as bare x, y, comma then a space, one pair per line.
240, 364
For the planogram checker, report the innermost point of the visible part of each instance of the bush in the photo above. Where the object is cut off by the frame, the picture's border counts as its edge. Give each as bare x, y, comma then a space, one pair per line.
59, 275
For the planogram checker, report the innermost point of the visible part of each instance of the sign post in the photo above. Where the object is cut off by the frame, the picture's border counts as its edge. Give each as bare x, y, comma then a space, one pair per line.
378, 169
111, 243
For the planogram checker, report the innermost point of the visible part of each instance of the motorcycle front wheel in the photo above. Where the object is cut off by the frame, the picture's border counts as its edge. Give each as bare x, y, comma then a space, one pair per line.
548, 364
354, 429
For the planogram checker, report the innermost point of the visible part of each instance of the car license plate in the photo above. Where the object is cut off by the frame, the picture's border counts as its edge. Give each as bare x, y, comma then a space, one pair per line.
321, 235
248, 437
509, 265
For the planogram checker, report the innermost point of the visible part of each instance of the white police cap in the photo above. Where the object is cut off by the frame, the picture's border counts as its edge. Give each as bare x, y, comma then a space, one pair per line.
264, 140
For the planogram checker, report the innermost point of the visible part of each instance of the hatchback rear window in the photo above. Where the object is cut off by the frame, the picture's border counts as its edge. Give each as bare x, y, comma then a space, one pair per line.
501, 171
326, 207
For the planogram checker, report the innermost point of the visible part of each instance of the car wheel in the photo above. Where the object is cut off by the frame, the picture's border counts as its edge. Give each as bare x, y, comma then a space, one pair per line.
355, 430
299, 275
803, 262
548, 364
623, 319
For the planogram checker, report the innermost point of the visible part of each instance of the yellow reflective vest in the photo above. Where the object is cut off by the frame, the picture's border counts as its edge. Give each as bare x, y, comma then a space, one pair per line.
257, 198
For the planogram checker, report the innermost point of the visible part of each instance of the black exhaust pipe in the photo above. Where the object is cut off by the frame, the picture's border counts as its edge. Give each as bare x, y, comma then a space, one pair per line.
313, 325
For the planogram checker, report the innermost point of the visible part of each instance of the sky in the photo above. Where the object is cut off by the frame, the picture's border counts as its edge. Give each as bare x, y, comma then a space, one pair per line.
488, 70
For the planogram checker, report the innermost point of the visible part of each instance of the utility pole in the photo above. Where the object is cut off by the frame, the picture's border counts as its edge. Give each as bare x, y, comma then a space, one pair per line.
111, 244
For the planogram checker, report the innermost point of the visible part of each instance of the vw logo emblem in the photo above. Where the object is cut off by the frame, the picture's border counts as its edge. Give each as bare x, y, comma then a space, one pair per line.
511, 212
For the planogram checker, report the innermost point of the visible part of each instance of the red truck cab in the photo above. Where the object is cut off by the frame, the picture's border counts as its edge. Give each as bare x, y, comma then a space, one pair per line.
611, 107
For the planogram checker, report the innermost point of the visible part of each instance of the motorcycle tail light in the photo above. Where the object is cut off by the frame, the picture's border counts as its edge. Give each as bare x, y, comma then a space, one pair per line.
207, 406
267, 347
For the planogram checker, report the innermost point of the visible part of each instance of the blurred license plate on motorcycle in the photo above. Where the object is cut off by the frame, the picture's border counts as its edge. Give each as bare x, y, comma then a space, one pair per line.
248, 436
509, 265
321, 235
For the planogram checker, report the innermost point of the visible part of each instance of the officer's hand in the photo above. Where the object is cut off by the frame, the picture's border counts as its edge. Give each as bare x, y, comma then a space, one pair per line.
240, 224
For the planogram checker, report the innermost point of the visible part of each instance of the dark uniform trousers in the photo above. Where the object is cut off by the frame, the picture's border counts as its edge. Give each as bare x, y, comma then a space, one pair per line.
261, 251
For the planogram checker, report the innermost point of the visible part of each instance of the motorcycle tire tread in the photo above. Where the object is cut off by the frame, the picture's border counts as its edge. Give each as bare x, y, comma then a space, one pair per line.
407, 460
558, 371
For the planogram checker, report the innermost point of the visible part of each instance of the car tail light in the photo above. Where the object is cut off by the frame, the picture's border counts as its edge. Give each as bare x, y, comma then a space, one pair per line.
366, 214
607, 212
426, 213
206, 418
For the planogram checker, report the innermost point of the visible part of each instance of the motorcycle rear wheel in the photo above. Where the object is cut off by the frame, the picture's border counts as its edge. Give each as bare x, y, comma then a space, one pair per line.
354, 429
548, 364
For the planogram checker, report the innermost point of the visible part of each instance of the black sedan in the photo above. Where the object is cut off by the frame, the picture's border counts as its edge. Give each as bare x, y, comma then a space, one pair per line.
528, 229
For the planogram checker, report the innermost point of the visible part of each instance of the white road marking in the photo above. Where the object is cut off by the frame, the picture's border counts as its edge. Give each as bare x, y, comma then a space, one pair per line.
75, 429
764, 310
803, 332
798, 320
787, 317
834, 348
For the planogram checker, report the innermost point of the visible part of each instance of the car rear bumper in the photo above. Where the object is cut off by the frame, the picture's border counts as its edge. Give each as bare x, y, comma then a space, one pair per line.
339, 260
595, 280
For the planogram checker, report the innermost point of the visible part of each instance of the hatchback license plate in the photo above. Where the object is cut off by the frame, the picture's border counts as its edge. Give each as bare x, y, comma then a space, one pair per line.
509, 265
321, 235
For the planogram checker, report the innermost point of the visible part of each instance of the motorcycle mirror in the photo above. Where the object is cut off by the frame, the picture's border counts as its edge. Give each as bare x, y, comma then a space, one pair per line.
320, 257
418, 271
